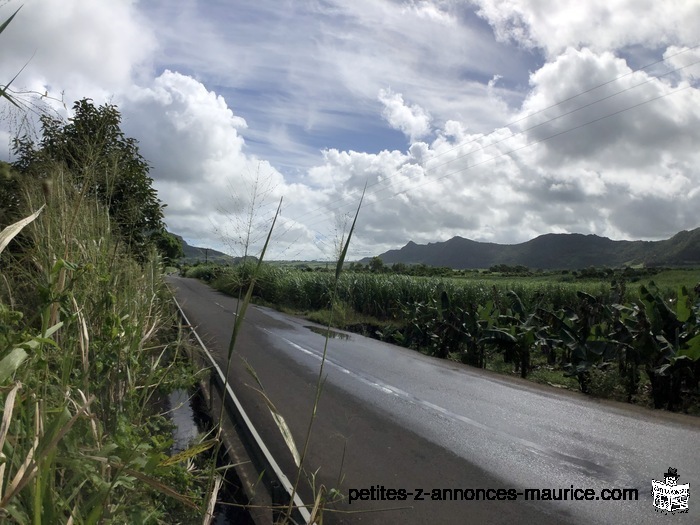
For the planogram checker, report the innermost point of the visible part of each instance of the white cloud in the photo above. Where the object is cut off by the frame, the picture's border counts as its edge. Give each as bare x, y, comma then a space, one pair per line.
598, 24
210, 183
81, 47
685, 60
178, 106
200, 166
320, 65
648, 115
412, 120
428, 10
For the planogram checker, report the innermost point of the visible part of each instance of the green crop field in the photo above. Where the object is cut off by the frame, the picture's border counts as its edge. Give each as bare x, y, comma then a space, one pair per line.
629, 334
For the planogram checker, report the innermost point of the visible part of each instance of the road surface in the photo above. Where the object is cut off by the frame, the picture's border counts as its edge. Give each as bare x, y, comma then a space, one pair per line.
395, 428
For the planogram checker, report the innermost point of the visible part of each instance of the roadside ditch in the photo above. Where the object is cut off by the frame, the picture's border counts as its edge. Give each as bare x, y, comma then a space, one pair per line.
189, 413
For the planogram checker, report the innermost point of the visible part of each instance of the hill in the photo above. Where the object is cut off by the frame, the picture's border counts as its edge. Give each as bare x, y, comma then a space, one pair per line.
195, 254
552, 251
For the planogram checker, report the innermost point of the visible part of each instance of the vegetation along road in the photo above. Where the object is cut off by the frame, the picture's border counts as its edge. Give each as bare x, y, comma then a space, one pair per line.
391, 417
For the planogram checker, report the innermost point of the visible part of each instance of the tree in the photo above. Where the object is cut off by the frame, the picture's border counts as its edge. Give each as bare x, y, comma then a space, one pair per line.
169, 246
105, 164
399, 267
376, 264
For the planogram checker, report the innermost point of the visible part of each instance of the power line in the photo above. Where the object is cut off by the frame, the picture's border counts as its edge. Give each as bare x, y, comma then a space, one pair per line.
327, 207
507, 153
290, 223
522, 132
634, 106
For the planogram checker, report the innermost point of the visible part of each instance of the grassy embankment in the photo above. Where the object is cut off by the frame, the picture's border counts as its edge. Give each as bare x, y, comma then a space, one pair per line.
631, 336
87, 347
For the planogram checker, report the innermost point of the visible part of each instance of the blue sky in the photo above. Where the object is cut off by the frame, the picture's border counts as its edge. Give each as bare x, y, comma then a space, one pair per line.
283, 66
495, 120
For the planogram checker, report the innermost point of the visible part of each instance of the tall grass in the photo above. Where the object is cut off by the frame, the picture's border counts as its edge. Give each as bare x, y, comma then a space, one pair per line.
259, 279
81, 441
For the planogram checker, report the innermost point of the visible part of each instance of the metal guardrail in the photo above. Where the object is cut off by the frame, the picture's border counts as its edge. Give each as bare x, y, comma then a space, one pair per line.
278, 485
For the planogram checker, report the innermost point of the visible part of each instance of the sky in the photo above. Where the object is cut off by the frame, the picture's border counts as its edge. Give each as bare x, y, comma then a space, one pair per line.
494, 120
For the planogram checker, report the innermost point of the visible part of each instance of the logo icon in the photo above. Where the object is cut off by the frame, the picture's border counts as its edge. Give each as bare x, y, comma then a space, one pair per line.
668, 495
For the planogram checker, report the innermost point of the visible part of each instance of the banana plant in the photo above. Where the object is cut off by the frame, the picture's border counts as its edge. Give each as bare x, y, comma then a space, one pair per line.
582, 334
669, 339
516, 334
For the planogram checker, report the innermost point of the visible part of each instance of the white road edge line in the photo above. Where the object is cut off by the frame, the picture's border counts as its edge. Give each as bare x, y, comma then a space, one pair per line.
277, 471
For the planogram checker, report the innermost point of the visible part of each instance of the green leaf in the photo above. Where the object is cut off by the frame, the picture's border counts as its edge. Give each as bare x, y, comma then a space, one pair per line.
3, 90
277, 416
249, 294
11, 362
60, 265
52, 330
693, 349
499, 337
341, 259
7, 22
34, 343
191, 452
662, 370
682, 307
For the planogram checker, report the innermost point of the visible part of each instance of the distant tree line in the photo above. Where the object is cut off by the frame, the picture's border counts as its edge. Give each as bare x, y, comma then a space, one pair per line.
377, 265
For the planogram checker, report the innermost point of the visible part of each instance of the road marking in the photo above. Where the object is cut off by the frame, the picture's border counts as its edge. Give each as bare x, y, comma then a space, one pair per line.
582, 464
225, 309
276, 472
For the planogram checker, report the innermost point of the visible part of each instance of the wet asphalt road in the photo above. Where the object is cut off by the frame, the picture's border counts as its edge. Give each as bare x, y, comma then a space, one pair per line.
390, 417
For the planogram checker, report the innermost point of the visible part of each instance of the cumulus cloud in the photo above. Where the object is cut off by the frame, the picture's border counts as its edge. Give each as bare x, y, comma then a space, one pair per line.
685, 60
629, 123
598, 24
177, 105
79, 47
412, 120
214, 189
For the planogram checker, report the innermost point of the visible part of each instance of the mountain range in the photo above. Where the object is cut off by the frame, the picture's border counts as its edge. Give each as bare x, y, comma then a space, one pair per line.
552, 251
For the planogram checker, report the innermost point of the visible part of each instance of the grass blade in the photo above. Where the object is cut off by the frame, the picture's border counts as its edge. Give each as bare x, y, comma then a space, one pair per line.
5, 426
341, 259
320, 381
7, 22
277, 416
191, 452
11, 362
12, 230
249, 293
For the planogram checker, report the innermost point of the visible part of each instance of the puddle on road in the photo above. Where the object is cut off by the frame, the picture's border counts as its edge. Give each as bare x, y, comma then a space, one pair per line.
332, 334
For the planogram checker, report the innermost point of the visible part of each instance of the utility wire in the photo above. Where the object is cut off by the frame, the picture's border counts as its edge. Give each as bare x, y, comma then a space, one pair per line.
534, 142
319, 238
522, 132
328, 207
